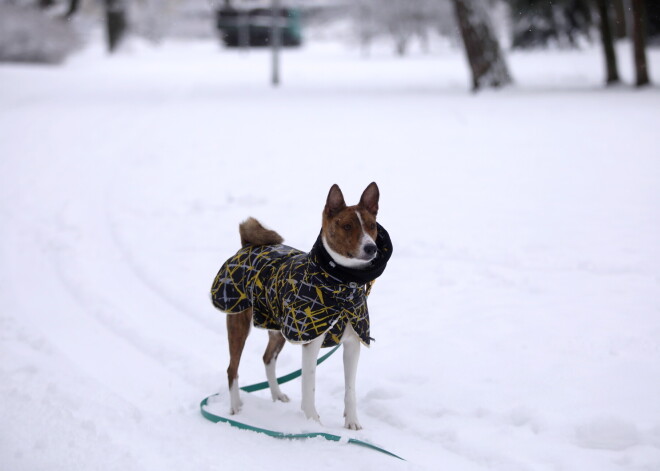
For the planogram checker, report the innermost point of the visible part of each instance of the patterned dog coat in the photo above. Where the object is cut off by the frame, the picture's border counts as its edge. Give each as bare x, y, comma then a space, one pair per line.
301, 295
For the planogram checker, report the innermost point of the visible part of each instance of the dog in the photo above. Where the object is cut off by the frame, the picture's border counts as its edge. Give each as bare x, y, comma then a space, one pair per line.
316, 299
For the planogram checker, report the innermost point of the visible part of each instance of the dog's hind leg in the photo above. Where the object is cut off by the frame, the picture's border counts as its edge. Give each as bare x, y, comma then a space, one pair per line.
310, 354
238, 328
276, 342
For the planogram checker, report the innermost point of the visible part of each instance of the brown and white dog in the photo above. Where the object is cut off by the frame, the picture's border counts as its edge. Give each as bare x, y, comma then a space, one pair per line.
348, 249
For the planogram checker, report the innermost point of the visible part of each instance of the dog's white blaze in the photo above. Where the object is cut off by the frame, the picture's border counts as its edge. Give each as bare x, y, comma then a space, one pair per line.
355, 262
366, 238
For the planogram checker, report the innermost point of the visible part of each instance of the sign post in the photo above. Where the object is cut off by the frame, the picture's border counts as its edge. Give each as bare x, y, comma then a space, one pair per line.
276, 41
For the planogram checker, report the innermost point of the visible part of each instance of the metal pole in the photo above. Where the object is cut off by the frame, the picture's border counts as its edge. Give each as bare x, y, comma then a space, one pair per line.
276, 41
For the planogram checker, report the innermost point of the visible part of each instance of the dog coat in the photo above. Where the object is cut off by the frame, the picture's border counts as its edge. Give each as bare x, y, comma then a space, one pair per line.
303, 295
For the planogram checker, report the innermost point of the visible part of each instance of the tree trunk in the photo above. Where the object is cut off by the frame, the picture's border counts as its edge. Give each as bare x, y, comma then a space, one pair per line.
608, 42
639, 42
481, 46
401, 45
115, 16
620, 24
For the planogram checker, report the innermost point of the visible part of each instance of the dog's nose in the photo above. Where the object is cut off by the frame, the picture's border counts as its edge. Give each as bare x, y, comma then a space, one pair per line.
370, 249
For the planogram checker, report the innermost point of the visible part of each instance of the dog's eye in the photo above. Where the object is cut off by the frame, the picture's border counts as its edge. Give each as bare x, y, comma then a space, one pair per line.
347, 227
373, 225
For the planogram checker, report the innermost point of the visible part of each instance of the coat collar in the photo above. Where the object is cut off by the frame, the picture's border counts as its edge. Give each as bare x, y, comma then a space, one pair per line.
322, 258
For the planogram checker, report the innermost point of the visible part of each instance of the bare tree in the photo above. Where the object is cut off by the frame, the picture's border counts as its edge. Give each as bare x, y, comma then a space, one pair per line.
29, 35
366, 25
72, 9
639, 42
402, 21
608, 42
540, 23
115, 18
483, 51
620, 25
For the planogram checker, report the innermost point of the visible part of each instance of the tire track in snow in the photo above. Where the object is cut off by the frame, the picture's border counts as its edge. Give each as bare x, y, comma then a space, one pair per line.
154, 330
61, 313
63, 245
112, 289
141, 274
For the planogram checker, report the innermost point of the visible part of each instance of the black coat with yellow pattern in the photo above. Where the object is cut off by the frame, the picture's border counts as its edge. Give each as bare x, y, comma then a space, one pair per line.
302, 295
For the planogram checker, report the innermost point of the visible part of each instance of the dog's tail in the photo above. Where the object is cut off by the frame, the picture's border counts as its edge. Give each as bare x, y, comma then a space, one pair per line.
253, 233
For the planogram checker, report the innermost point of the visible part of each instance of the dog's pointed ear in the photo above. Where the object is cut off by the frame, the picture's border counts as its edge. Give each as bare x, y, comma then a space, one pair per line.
335, 201
369, 199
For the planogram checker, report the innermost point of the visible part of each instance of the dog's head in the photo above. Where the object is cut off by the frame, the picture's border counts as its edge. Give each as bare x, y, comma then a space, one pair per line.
349, 232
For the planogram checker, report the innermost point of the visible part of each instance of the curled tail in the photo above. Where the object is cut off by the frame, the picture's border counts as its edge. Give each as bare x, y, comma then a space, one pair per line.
253, 233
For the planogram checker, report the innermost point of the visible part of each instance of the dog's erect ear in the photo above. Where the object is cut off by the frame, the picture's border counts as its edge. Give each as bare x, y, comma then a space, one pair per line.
369, 199
335, 202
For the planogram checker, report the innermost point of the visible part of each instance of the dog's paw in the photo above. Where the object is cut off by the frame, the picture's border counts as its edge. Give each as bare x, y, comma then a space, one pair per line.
280, 397
353, 425
236, 408
351, 422
312, 415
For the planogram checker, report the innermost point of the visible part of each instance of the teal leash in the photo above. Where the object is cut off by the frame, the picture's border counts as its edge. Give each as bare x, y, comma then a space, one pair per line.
286, 378
287, 436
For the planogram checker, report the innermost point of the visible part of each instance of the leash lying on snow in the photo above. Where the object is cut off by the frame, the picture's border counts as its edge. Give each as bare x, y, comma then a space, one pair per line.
271, 433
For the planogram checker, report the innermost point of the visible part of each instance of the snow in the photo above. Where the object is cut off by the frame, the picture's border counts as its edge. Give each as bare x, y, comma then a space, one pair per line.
517, 325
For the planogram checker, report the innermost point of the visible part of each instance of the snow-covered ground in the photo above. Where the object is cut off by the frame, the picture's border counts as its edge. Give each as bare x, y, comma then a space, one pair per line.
517, 326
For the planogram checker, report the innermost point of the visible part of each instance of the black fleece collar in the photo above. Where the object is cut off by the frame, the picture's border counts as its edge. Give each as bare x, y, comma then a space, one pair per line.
355, 275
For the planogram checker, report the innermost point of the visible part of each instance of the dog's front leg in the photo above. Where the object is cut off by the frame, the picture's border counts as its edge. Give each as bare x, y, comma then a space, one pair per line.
310, 352
351, 343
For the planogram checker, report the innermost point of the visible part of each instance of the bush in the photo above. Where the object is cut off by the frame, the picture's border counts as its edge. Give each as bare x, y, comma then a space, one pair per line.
30, 35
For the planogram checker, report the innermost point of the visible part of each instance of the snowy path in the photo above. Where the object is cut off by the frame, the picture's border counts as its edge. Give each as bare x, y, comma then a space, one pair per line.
517, 326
